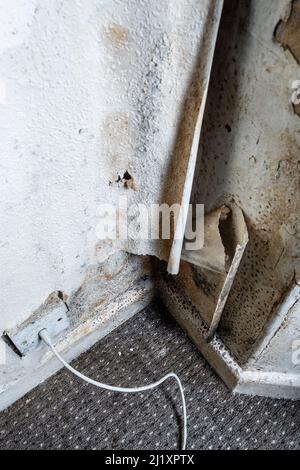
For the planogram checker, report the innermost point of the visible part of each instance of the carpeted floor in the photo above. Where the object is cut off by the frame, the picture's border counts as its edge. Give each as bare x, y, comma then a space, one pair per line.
65, 413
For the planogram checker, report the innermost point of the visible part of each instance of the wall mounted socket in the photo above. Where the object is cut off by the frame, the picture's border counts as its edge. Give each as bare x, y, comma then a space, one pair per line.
25, 338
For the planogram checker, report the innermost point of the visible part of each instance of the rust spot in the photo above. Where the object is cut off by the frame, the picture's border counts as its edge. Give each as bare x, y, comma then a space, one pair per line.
117, 36
287, 32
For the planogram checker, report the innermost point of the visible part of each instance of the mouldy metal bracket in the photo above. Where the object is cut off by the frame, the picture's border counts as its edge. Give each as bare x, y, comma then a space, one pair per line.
25, 338
239, 239
207, 275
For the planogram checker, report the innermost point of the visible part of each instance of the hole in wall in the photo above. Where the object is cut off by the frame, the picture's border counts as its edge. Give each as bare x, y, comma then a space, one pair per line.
125, 181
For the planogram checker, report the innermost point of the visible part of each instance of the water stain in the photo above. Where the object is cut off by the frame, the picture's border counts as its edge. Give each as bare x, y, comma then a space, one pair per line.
117, 36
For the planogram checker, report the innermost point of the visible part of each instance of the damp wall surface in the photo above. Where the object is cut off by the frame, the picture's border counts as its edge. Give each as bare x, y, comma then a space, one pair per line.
91, 93
98, 99
250, 154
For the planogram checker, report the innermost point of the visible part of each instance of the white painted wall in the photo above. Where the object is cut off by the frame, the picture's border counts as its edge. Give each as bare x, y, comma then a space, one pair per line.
88, 89
50, 175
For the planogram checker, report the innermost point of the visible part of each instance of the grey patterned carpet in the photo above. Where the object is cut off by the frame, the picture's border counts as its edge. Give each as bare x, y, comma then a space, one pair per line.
65, 413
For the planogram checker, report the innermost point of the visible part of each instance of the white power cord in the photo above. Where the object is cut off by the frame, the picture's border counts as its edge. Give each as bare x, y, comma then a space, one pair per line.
44, 335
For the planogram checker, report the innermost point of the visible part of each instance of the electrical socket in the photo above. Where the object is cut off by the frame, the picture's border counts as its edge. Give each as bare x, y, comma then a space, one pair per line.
25, 339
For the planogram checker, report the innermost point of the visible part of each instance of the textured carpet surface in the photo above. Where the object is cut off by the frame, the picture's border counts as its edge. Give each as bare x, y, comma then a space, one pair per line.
64, 413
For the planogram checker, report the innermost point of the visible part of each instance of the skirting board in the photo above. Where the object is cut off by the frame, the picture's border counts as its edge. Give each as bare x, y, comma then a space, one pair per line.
32, 371
238, 380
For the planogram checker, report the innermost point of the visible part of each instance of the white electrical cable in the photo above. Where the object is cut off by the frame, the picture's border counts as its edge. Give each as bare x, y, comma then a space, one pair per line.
44, 335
